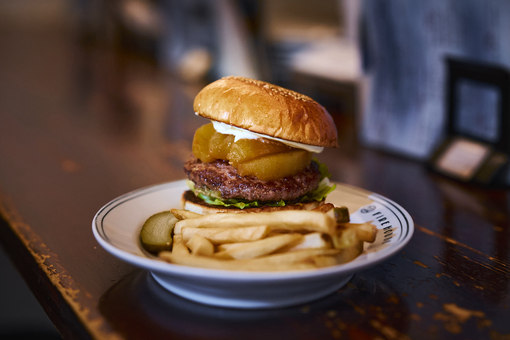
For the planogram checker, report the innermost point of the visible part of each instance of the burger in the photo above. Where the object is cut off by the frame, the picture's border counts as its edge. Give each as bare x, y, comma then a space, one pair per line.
257, 152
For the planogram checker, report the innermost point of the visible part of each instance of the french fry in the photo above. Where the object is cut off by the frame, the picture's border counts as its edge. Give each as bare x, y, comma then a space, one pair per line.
181, 214
324, 260
298, 260
237, 265
366, 232
282, 259
347, 237
344, 255
348, 243
199, 245
310, 241
275, 241
324, 208
306, 220
349, 253
179, 247
227, 246
248, 250
227, 235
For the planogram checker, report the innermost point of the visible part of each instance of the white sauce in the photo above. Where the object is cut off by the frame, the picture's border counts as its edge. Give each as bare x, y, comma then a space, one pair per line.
245, 134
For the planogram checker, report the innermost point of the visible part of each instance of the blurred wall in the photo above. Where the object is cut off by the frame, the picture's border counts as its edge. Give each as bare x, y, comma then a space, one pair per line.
33, 13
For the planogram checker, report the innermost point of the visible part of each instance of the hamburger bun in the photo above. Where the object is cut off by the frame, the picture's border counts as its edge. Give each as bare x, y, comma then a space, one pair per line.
192, 203
266, 109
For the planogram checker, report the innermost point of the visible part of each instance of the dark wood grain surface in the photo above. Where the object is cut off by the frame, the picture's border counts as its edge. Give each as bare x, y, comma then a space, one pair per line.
81, 125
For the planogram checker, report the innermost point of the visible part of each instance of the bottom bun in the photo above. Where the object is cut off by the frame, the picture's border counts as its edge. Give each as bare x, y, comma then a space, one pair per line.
192, 203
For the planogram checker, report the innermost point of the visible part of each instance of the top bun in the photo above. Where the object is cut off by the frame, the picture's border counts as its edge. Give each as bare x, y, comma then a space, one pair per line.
267, 109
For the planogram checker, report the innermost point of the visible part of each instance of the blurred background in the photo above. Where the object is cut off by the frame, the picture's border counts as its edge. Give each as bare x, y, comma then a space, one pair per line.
120, 60
379, 67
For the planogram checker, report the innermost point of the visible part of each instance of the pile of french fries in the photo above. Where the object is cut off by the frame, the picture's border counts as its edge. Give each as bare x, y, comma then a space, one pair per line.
274, 241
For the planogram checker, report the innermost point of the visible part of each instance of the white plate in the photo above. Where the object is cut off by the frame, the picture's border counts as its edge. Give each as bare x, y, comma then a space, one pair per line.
116, 227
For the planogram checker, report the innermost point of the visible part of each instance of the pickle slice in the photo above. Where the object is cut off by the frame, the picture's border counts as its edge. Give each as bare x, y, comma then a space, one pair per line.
272, 167
245, 150
342, 214
219, 145
156, 234
200, 147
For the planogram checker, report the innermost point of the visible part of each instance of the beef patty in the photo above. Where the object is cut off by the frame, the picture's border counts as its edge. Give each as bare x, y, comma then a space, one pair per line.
221, 176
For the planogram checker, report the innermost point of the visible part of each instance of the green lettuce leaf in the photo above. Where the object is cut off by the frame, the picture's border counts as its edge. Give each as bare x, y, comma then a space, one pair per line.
324, 189
241, 204
323, 169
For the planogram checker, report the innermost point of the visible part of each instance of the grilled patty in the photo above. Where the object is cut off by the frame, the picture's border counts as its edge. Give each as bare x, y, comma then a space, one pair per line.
221, 176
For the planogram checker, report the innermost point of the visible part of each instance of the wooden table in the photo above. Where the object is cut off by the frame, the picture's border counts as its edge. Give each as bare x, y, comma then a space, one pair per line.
80, 126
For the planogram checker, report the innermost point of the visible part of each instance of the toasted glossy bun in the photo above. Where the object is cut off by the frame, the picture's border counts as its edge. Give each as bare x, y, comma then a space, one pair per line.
192, 203
267, 109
